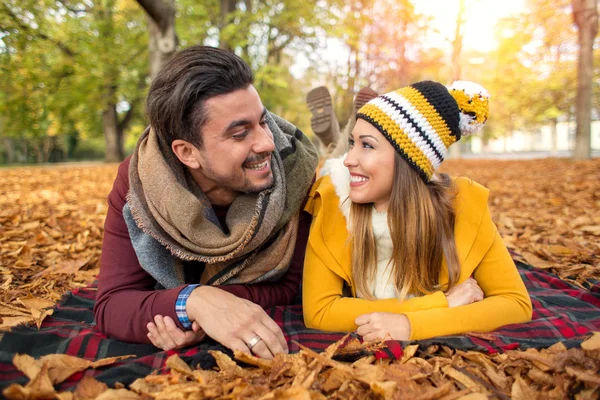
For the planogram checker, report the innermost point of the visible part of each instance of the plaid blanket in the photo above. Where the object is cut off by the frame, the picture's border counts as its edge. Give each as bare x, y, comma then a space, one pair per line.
561, 312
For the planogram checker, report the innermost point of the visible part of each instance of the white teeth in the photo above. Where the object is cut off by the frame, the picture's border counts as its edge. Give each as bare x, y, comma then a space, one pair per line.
358, 179
257, 167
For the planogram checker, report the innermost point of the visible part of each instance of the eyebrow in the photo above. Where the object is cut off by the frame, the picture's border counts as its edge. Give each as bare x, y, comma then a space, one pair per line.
368, 136
241, 122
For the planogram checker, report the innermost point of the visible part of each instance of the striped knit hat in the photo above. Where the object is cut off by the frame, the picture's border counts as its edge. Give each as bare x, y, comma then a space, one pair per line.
422, 120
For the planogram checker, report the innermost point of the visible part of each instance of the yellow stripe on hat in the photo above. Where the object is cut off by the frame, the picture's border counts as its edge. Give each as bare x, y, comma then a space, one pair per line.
428, 111
402, 140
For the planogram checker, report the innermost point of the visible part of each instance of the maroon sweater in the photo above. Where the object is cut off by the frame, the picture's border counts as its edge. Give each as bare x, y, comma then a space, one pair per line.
127, 299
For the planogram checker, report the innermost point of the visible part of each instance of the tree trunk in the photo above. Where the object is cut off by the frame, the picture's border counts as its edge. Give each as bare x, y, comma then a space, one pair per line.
114, 149
10, 150
585, 14
47, 147
227, 7
163, 39
457, 44
554, 136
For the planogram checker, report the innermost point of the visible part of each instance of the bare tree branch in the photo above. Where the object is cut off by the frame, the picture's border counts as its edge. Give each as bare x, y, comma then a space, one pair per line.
160, 11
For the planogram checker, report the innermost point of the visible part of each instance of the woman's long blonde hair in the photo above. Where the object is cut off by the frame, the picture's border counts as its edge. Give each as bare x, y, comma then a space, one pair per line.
421, 223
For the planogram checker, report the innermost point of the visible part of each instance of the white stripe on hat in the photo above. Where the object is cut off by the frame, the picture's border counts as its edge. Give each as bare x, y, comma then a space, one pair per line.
409, 130
420, 120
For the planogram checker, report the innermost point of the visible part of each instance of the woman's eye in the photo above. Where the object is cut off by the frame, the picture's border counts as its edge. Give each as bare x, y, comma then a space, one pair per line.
351, 143
367, 145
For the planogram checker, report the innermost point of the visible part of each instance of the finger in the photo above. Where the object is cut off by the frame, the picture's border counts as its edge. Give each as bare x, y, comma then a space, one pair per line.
364, 329
363, 319
238, 344
153, 341
276, 331
180, 337
271, 340
195, 326
166, 339
375, 335
153, 335
261, 350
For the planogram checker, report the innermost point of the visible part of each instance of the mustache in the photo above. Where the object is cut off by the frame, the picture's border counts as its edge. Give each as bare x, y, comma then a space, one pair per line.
257, 157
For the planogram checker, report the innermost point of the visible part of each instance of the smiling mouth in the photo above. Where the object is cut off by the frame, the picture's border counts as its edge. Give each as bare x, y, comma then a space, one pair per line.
258, 166
358, 179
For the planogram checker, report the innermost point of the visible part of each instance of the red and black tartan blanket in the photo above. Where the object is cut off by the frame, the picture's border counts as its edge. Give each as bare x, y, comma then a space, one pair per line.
561, 312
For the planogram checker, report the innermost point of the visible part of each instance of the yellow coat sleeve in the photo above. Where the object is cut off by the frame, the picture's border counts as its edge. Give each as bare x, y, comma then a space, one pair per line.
323, 304
506, 301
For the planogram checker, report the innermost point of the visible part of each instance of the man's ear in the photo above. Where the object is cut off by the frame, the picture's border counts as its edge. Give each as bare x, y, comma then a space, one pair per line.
186, 152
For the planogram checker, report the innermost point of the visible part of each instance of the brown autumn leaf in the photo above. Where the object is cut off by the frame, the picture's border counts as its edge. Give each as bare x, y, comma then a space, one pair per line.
593, 343
40, 387
63, 267
89, 389
177, 364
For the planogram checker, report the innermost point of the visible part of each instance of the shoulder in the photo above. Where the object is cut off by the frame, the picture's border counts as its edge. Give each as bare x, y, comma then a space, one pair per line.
473, 227
122, 179
331, 189
469, 194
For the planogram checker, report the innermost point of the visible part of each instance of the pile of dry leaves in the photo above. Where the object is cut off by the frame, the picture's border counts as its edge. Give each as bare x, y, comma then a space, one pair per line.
546, 210
432, 373
51, 223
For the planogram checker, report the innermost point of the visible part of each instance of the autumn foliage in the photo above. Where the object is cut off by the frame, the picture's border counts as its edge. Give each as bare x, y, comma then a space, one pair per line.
51, 221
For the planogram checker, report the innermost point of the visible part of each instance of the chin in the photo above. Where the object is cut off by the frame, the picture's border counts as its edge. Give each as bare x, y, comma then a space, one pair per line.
257, 187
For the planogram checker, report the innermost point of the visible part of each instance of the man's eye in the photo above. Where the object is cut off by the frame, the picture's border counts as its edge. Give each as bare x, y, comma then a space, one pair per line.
263, 122
240, 136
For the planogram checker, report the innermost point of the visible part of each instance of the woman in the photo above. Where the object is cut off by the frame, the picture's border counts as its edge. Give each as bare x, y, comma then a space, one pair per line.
397, 250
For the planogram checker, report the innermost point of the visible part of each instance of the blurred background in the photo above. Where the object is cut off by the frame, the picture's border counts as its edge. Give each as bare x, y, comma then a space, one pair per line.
74, 74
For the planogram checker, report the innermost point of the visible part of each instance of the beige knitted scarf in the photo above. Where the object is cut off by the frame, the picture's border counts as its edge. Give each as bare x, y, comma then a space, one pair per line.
167, 204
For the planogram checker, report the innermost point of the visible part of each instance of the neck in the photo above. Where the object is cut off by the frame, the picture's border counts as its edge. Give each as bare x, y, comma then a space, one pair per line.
216, 194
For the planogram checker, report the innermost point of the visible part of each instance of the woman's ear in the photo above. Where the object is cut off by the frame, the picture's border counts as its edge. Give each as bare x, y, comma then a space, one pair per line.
186, 152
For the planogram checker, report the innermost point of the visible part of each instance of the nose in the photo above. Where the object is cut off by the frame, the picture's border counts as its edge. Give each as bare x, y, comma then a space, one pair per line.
264, 141
350, 159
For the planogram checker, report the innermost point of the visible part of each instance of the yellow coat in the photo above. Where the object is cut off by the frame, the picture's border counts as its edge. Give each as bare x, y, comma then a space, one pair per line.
327, 267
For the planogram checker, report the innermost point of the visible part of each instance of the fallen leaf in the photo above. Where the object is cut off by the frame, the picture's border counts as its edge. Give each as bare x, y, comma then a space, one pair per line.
89, 388
64, 267
592, 343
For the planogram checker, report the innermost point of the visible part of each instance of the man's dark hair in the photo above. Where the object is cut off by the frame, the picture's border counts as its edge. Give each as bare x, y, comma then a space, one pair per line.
175, 104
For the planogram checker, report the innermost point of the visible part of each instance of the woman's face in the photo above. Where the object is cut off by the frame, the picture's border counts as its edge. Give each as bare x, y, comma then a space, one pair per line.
370, 161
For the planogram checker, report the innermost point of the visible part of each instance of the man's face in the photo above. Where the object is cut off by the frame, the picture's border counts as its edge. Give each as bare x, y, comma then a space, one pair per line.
236, 143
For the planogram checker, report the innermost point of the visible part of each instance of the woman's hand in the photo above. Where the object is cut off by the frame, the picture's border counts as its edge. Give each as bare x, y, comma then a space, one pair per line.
164, 334
380, 325
466, 293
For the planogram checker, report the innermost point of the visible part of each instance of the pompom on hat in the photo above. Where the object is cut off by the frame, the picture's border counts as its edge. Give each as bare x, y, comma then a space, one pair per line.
422, 120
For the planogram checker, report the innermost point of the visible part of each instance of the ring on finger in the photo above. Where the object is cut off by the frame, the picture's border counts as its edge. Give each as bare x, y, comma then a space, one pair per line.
254, 341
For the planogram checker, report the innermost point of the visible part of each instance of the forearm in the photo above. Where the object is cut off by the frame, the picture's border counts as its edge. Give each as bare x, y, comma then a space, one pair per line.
326, 309
483, 316
124, 315
506, 300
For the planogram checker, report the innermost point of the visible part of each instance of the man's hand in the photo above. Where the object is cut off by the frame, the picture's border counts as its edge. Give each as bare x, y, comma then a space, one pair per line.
466, 293
380, 325
164, 334
234, 322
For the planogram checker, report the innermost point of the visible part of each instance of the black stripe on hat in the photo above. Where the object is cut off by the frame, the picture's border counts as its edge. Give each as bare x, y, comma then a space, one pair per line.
410, 119
399, 149
438, 96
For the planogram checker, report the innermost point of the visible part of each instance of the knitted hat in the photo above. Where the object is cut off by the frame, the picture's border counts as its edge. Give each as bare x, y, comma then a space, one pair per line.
422, 120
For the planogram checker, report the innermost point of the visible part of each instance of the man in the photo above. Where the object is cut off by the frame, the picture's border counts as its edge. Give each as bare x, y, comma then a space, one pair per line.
204, 226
